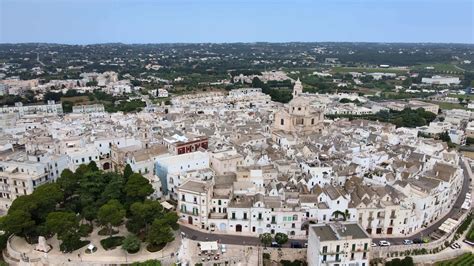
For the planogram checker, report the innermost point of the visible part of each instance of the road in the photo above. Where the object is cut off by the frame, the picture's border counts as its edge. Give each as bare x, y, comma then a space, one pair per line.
254, 241
229, 239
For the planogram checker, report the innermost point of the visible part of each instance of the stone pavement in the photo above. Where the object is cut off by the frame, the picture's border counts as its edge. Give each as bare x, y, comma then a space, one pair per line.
100, 257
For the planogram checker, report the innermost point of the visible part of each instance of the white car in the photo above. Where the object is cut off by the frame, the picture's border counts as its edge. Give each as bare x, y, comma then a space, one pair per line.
223, 248
373, 245
384, 243
407, 242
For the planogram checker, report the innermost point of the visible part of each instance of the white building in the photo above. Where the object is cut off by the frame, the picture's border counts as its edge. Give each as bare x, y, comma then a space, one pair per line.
338, 244
440, 80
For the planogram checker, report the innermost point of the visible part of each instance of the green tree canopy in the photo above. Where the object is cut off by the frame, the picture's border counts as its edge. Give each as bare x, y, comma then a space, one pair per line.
131, 244
266, 239
160, 233
62, 223
111, 214
281, 238
137, 188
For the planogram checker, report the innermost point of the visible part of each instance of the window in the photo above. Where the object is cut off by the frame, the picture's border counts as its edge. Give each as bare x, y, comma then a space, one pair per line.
312, 121
353, 247
282, 121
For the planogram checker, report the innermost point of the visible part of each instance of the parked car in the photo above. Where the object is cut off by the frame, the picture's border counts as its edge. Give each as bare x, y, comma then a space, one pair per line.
407, 242
275, 245
468, 242
223, 248
417, 241
384, 243
373, 245
295, 244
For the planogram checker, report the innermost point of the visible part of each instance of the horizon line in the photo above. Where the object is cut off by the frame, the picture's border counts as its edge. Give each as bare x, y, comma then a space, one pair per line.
237, 42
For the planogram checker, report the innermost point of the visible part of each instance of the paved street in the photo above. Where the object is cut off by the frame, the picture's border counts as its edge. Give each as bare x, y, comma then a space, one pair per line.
228, 239
248, 240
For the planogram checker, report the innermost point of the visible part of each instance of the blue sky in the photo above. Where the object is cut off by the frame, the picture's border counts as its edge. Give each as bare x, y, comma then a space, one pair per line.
165, 21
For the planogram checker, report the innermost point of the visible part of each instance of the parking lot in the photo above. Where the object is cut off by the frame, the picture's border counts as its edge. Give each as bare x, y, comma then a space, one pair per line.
232, 255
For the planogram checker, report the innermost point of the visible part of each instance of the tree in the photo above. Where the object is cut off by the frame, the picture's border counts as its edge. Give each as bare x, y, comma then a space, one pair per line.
266, 239
171, 218
93, 166
114, 188
70, 242
127, 172
131, 244
143, 214
67, 182
137, 188
111, 214
337, 214
160, 233
62, 223
281, 238
17, 222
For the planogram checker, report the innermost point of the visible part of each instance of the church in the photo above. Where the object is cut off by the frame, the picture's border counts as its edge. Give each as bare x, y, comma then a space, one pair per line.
298, 117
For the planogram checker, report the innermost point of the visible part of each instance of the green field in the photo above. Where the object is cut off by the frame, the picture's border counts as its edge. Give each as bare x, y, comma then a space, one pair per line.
465, 96
449, 106
367, 70
465, 259
438, 68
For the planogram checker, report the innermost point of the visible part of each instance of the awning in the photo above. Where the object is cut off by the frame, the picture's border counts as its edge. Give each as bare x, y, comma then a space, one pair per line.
448, 225
209, 246
167, 205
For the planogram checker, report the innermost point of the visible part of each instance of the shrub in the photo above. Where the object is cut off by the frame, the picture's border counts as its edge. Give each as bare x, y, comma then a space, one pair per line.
131, 244
266, 256
112, 242
105, 232
155, 248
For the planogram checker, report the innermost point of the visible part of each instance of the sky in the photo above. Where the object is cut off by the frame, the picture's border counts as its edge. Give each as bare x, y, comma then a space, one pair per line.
187, 21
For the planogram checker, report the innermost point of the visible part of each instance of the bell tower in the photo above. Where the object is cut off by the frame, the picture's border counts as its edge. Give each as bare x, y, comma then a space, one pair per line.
298, 88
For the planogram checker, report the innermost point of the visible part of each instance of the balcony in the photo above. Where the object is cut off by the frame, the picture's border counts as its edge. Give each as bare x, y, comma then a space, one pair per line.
216, 215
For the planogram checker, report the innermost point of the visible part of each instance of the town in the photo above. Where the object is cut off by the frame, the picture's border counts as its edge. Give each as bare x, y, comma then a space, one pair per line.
101, 163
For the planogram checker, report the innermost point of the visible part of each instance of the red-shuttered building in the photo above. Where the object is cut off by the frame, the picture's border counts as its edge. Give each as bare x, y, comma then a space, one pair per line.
182, 147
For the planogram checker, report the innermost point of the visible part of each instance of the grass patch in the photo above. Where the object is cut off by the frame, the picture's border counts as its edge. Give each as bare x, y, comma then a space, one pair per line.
449, 106
153, 248
105, 232
462, 96
367, 70
464, 259
437, 68
112, 242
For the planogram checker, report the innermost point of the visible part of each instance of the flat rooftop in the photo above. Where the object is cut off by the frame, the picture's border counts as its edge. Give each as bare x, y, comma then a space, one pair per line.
339, 231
